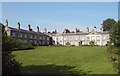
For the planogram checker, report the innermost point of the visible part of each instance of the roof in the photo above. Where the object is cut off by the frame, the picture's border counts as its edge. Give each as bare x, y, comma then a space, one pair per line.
68, 34
75, 34
26, 31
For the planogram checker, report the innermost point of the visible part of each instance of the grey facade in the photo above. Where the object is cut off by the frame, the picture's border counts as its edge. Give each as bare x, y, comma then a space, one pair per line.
76, 38
36, 38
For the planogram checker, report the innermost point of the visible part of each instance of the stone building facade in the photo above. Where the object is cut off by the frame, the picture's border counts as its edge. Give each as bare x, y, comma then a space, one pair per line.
80, 38
76, 38
36, 38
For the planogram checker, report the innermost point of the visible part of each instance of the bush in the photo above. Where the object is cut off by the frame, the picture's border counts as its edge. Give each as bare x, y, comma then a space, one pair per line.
9, 64
22, 44
92, 43
72, 45
115, 34
114, 50
113, 53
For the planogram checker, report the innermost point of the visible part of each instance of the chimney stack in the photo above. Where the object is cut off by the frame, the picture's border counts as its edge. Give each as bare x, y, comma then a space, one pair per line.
95, 28
6, 23
88, 29
76, 30
38, 29
55, 31
45, 30
29, 29
101, 29
18, 25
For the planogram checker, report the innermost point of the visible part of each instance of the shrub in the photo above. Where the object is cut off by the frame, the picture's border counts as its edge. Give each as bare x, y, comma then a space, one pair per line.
92, 43
22, 44
115, 34
72, 45
9, 64
113, 53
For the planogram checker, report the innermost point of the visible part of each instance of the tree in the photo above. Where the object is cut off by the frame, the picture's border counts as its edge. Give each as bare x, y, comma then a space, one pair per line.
9, 64
107, 24
115, 49
115, 34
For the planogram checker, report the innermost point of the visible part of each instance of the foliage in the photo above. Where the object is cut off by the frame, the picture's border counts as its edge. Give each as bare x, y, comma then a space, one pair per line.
113, 54
115, 34
22, 44
108, 43
114, 50
68, 44
107, 24
9, 64
92, 43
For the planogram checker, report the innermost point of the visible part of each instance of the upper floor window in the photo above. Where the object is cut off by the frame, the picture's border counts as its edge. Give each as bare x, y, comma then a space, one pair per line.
93, 37
98, 37
40, 37
31, 36
13, 34
25, 36
35, 37
47, 38
104, 37
17, 34
88, 38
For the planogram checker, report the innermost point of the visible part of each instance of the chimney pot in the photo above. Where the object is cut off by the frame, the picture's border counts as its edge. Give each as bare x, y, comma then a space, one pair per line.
29, 27
45, 30
6, 23
38, 29
18, 25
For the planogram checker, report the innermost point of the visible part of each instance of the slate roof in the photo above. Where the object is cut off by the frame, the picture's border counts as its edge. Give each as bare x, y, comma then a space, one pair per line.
75, 34
26, 31
68, 34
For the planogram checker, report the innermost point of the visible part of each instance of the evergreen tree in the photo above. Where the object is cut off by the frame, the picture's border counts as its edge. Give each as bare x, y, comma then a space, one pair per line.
115, 34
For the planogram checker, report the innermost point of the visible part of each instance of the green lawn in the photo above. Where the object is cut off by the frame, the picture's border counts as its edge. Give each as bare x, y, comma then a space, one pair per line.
72, 60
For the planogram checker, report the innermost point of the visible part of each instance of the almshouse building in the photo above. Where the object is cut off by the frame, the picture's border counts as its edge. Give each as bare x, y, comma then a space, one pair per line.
79, 38
36, 38
67, 38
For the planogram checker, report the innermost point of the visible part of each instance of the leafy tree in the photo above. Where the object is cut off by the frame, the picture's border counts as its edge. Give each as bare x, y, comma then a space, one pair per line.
115, 49
107, 24
9, 64
22, 44
115, 34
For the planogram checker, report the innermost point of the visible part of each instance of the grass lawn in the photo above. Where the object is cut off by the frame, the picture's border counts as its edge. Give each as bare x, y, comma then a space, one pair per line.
57, 60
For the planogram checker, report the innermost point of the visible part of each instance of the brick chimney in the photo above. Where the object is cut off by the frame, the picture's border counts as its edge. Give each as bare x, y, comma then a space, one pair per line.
45, 30
88, 29
38, 30
95, 28
29, 28
18, 25
76, 30
6, 23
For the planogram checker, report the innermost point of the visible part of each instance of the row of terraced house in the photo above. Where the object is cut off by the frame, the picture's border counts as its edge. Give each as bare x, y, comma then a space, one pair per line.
66, 38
